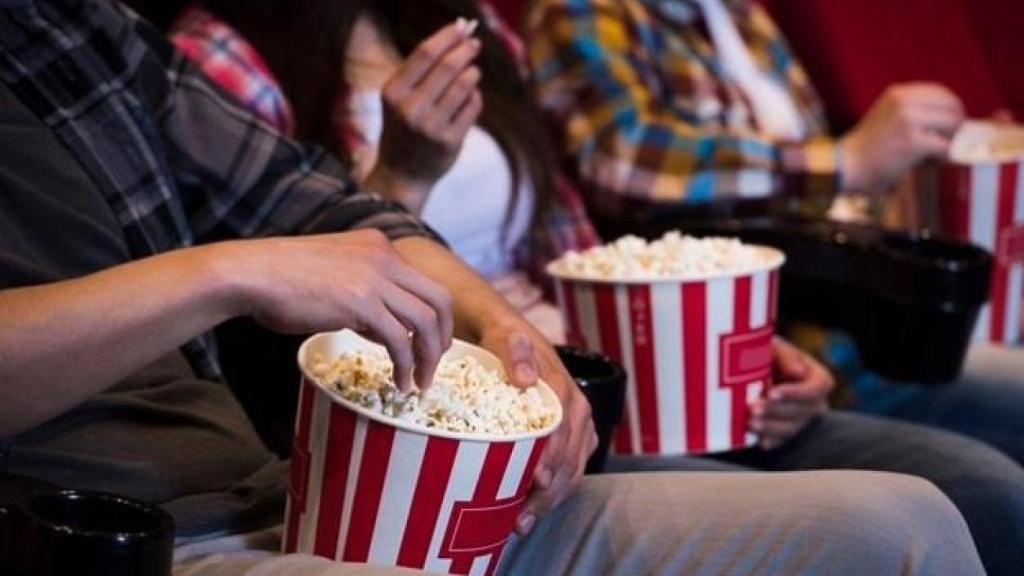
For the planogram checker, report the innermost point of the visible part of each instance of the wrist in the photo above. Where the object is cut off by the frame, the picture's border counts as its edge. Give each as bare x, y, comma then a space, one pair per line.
407, 191
228, 278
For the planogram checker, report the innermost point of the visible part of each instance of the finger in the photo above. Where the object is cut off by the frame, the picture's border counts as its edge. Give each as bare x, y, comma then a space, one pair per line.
441, 76
790, 363
786, 410
520, 359
464, 118
800, 392
542, 500
384, 328
426, 54
942, 121
430, 292
457, 95
933, 96
778, 431
929, 144
423, 321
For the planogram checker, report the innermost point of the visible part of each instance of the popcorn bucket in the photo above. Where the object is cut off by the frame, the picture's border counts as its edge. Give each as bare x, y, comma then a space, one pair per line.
368, 488
981, 200
697, 349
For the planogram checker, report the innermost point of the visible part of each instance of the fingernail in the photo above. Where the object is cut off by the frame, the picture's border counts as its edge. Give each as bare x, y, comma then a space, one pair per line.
756, 425
525, 372
775, 394
525, 522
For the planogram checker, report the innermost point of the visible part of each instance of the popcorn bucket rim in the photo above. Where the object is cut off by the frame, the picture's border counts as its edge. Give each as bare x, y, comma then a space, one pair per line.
461, 347
776, 259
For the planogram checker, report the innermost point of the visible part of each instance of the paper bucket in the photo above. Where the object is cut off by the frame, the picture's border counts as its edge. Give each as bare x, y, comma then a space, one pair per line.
371, 489
697, 350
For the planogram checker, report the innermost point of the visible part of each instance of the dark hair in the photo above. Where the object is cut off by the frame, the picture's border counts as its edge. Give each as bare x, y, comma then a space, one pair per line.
304, 43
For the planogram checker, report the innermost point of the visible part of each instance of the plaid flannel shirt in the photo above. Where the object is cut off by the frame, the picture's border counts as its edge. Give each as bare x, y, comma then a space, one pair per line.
178, 162
233, 63
647, 114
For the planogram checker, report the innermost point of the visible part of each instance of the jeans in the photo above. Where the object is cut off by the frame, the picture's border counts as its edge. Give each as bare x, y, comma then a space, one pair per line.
984, 484
986, 402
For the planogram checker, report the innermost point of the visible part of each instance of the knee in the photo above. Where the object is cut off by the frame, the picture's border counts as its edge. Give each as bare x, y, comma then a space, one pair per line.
901, 522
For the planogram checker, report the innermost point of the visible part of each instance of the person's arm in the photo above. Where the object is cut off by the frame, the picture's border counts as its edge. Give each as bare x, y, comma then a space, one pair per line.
592, 75
63, 342
483, 316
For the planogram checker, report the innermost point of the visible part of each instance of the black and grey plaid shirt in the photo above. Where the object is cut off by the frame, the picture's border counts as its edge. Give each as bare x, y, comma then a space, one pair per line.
179, 162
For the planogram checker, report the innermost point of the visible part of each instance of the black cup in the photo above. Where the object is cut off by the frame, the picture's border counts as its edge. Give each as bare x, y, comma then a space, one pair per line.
65, 532
603, 382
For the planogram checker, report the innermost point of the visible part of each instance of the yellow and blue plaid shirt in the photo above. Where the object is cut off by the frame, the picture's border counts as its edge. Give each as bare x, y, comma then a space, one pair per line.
647, 113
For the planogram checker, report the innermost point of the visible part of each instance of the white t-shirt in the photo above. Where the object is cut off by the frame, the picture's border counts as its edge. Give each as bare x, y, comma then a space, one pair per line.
468, 205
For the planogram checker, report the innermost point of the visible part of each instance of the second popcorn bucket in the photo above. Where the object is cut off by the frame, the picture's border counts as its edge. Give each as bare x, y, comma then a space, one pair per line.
981, 200
368, 488
697, 349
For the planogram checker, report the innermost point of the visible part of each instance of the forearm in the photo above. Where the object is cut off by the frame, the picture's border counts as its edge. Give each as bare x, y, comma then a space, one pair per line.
475, 303
61, 343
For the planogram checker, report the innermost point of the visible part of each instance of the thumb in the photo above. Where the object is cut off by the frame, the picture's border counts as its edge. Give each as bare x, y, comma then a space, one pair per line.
790, 363
517, 354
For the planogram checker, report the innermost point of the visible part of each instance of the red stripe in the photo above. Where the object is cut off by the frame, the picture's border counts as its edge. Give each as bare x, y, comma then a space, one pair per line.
611, 345
495, 464
531, 466
694, 297
302, 442
573, 334
337, 458
644, 378
373, 468
741, 324
435, 472
1000, 267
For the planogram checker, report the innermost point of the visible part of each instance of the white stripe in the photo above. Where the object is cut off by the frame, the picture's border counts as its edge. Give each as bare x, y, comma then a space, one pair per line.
515, 469
358, 443
480, 563
667, 320
719, 400
469, 461
320, 417
982, 226
759, 314
759, 299
586, 311
626, 343
984, 201
403, 471
753, 392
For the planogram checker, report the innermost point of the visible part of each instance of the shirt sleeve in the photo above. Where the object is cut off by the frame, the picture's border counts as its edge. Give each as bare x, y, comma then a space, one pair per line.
593, 76
239, 177
231, 62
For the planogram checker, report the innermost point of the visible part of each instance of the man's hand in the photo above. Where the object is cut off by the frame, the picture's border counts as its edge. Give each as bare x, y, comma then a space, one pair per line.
907, 124
351, 280
800, 393
527, 356
430, 103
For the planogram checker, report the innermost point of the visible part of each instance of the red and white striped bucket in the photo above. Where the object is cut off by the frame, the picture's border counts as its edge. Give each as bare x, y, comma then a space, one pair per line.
366, 488
982, 202
697, 350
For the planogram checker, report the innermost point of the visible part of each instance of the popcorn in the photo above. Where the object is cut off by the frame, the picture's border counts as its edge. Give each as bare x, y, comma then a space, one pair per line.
632, 258
465, 396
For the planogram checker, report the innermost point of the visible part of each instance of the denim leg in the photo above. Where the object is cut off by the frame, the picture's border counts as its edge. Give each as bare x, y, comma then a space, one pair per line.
986, 485
986, 402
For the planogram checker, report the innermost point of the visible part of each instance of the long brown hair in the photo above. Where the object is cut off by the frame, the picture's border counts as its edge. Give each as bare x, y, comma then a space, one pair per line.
304, 43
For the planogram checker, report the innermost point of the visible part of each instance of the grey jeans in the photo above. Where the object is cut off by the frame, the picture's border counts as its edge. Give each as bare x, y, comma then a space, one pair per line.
710, 523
